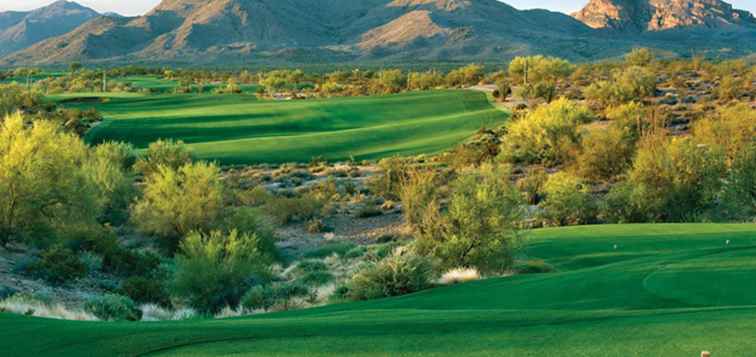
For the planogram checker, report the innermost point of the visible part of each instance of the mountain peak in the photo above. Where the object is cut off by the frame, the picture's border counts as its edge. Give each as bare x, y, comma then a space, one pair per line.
658, 15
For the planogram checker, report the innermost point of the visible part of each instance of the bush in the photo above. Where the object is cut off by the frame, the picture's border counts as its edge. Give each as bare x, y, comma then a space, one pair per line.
145, 291
639, 57
568, 201
164, 153
58, 265
178, 201
111, 307
214, 271
286, 210
327, 250
632, 84
605, 153
269, 296
401, 273
418, 191
548, 135
676, 180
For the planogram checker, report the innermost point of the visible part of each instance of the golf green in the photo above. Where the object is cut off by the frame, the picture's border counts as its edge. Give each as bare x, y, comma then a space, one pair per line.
622, 290
239, 129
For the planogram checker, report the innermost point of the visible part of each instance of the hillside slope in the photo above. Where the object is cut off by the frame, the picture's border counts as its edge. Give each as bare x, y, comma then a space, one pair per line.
19, 30
632, 290
335, 31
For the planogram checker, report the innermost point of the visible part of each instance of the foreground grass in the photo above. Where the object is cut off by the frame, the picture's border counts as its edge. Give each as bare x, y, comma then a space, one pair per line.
238, 129
637, 290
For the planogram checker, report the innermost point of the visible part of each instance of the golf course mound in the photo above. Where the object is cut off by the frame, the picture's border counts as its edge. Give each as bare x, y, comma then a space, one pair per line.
239, 129
619, 290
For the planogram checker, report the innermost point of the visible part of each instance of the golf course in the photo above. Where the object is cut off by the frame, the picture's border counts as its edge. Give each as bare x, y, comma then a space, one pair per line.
240, 129
616, 290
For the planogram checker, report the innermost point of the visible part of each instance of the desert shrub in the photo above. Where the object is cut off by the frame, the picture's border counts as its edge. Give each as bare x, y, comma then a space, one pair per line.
126, 262
178, 201
605, 153
730, 88
286, 210
91, 261
568, 201
632, 84
459, 275
277, 294
631, 116
312, 273
469, 75
677, 179
14, 98
424, 80
639, 57
533, 266
531, 185
163, 153
388, 184
214, 271
621, 205
417, 192
401, 273
547, 135
539, 68
112, 307
145, 290
739, 197
110, 170
58, 265
251, 221
480, 228
315, 226
731, 128
388, 81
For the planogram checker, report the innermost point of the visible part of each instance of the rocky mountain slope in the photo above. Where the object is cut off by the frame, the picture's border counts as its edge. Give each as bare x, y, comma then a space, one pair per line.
19, 30
658, 15
326, 31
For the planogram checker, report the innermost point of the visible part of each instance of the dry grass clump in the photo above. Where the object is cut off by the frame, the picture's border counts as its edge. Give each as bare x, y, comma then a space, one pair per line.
24, 304
152, 312
459, 275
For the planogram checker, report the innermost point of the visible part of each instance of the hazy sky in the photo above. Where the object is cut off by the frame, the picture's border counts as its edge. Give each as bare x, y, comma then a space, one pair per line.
137, 7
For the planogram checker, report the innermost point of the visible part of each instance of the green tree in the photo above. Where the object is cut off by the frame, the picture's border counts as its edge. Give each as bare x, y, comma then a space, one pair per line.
44, 183
605, 153
480, 228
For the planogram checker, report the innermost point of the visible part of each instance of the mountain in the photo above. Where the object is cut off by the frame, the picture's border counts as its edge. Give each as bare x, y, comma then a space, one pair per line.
19, 30
659, 15
201, 32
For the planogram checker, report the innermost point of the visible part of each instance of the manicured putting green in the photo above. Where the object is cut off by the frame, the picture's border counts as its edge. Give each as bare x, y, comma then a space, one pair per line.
239, 129
626, 290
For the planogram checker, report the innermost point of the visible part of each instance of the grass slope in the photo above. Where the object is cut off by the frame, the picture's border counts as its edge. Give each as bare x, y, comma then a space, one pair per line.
238, 129
665, 290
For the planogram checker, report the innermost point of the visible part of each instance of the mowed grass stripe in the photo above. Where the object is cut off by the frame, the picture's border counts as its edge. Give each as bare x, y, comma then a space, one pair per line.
666, 290
238, 129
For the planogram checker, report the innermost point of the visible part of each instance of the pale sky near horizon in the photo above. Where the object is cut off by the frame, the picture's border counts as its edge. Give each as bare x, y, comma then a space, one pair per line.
138, 7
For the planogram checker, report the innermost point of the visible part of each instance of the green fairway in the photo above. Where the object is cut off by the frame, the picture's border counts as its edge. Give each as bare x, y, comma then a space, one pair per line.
239, 129
632, 290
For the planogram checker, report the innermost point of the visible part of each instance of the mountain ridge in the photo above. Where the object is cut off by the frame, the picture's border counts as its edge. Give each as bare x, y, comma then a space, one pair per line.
327, 31
19, 30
